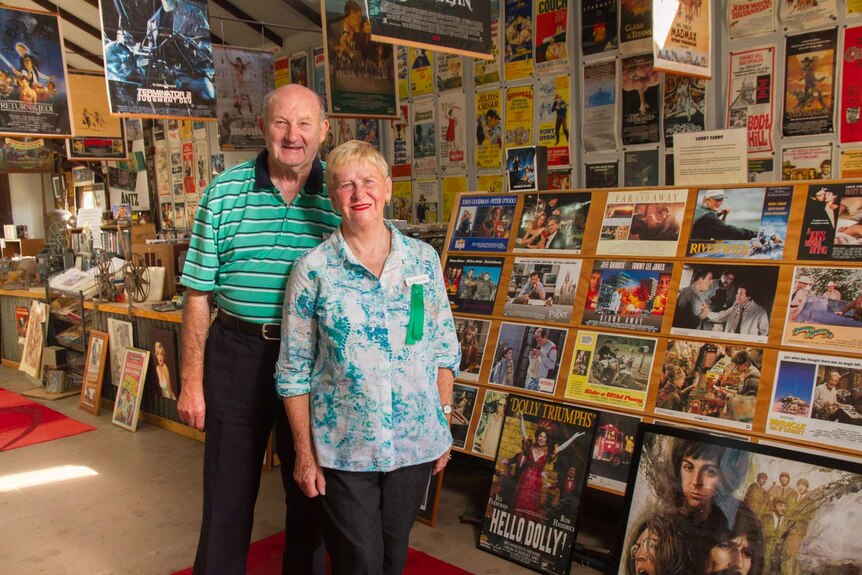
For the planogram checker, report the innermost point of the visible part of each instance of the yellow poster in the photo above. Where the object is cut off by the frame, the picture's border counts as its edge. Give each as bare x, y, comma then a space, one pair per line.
491, 183
489, 130
282, 71
90, 111
854, 7
554, 119
421, 72
451, 186
851, 163
681, 42
402, 197
185, 130
518, 37
519, 116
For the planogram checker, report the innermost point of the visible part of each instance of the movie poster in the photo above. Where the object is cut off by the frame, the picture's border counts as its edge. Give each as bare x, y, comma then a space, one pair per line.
242, 78
453, 138
641, 222
403, 69
811, 162
761, 170
740, 223
473, 339
684, 44
851, 87
542, 289
401, 144
750, 96
491, 183
613, 450
450, 187
747, 18
559, 180
463, 407
299, 68
426, 208
798, 15
627, 295
98, 135
602, 175
519, 116
449, 74
553, 223
421, 72
599, 130
368, 131
684, 106
360, 73
641, 97
528, 357
832, 224
635, 26
552, 22
850, 164
489, 129
725, 301
539, 476
490, 425
424, 137
641, 168
809, 83
318, 73
471, 283
599, 30
720, 505
554, 98
488, 71
281, 71
817, 398
483, 223
34, 91
518, 39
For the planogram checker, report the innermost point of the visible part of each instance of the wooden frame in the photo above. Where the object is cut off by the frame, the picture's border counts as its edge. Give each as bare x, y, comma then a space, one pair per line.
130, 390
431, 499
94, 371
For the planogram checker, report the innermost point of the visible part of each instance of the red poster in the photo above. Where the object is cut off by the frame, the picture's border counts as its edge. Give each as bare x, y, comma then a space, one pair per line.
851, 86
188, 171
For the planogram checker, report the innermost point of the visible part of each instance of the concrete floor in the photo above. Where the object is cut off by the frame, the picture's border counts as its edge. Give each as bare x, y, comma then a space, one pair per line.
140, 513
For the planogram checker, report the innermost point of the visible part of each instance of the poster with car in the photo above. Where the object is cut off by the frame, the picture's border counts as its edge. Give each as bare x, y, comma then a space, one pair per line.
613, 451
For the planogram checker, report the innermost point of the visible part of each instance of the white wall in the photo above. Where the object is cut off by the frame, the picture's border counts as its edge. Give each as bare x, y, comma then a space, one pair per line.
26, 193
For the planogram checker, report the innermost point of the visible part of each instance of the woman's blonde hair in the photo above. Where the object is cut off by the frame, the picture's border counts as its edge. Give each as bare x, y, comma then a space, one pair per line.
351, 153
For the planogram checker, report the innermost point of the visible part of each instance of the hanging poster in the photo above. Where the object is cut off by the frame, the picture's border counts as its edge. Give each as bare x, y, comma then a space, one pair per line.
368, 130
804, 15
599, 30
318, 73
26, 155
242, 78
473, 339
449, 74
602, 175
426, 208
488, 71
539, 476
851, 86
402, 200
528, 357
815, 398
519, 116
825, 309
98, 135
809, 83
627, 295
453, 137
682, 43
542, 289
813, 162
761, 169
360, 73
553, 223
34, 91
599, 129
489, 129
421, 72
684, 106
472, 283
641, 97
554, 119
750, 96
424, 137
449, 188
491, 183
490, 423
403, 72
552, 20
613, 450
281, 71
299, 68
740, 223
641, 223
401, 152
641, 168
559, 180
851, 163
518, 39
463, 407
483, 223
635, 26
747, 18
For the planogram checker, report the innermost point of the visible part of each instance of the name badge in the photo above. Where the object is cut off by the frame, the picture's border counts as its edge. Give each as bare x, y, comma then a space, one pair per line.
417, 280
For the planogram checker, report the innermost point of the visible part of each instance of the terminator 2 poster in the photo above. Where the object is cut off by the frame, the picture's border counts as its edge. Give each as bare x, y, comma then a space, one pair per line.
158, 58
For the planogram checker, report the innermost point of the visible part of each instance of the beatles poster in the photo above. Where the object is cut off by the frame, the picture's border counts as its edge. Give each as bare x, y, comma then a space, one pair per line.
421, 72
720, 505
34, 92
483, 223
635, 26
518, 39
488, 71
684, 106
542, 289
554, 119
798, 15
641, 97
473, 339
490, 424
683, 44
599, 29
424, 137
627, 295
539, 476
242, 78
519, 116
825, 309
360, 73
750, 96
602, 175
453, 138
463, 407
811, 162
832, 224
613, 450
553, 223
809, 83
642, 223
402, 200
599, 129
851, 86
159, 59
449, 73
98, 135
552, 21
817, 398
641, 168
611, 369
489, 129
740, 223
528, 357
472, 282
747, 18
401, 144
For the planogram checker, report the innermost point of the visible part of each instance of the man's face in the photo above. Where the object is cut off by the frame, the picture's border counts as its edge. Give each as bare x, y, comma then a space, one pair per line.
714, 202
553, 226
784, 480
539, 336
826, 170
742, 297
534, 279
733, 557
780, 508
833, 380
801, 488
702, 284
727, 279
293, 129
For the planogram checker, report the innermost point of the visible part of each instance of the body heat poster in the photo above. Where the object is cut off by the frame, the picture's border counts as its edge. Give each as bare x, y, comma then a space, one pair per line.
809, 83
750, 94
832, 224
641, 102
539, 477
243, 77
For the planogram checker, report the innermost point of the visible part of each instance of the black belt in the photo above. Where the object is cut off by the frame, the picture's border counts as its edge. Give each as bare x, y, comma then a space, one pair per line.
267, 331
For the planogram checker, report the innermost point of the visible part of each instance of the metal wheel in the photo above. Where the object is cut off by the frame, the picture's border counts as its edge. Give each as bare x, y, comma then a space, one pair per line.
104, 275
137, 278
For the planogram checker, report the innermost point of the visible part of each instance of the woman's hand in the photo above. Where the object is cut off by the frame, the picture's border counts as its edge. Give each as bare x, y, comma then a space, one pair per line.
442, 461
309, 475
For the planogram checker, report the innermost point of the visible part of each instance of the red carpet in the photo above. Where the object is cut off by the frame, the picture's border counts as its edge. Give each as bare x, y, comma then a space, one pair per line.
24, 422
264, 558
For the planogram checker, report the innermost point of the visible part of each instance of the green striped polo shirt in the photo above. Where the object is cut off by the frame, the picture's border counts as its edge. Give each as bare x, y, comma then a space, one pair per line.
246, 238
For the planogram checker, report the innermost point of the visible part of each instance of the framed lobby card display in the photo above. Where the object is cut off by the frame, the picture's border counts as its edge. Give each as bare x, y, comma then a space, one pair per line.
831, 228
528, 357
471, 283
613, 450
698, 503
642, 223
553, 223
130, 390
463, 406
542, 289
483, 223
94, 371
627, 295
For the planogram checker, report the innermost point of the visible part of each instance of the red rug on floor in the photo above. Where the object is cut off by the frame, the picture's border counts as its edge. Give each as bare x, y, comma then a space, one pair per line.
24, 422
264, 558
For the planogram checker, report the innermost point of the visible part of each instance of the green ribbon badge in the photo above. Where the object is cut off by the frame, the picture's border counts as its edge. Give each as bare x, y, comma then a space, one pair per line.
416, 325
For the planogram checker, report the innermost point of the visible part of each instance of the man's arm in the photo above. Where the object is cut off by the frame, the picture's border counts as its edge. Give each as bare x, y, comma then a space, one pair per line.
196, 322
306, 472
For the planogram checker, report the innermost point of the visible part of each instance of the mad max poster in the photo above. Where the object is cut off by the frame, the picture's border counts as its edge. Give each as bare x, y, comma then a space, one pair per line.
627, 295
683, 45
471, 283
832, 224
542, 289
553, 223
809, 83
243, 78
641, 109
642, 223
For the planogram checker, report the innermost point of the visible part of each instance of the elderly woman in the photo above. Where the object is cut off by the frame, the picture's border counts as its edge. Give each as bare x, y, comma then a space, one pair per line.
368, 355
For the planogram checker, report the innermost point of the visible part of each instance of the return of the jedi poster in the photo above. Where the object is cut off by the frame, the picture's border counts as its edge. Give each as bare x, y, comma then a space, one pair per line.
539, 476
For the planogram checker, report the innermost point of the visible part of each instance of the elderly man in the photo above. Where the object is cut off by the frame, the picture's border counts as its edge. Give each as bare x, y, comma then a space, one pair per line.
543, 359
746, 316
826, 396
253, 222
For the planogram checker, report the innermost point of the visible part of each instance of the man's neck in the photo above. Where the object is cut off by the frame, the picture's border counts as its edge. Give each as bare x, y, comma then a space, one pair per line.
288, 181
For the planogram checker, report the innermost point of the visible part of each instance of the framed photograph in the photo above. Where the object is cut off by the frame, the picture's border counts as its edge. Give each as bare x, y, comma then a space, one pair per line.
553, 222
94, 371
121, 337
430, 500
55, 380
463, 406
700, 503
133, 375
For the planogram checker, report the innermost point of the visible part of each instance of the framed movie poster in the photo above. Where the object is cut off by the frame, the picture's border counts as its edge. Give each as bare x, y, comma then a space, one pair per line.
542, 289
98, 135
553, 223
242, 78
831, 228
430, 499
463, 406
120, 338
473, 337
163, 343
539, 476
94, 370
698, 503
483, 223
642, 223
528, 357
613, 450
130, 391
471, 283
628, 295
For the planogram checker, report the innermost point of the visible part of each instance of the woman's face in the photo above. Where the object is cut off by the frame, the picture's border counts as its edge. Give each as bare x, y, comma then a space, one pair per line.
542, 439
699, 478
508, 354
540, 220
643, 552
160, 355
360, 194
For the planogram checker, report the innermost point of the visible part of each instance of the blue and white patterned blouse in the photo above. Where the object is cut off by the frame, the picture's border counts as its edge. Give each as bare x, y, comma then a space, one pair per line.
375, 405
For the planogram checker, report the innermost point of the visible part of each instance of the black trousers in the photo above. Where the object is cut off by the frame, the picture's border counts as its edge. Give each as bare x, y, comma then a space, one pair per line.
241, 408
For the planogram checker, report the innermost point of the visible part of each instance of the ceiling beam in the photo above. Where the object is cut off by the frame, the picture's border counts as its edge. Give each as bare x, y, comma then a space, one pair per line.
93, 3
83, 53
241, 14
70, 18
305, 10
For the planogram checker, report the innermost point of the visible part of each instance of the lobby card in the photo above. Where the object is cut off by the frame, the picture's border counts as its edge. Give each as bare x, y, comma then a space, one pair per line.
611, 369
817, 398
473, 338
528, 357
725, 301
463, 407
709, 382
543, 289
641, 223
740, 223
627, 295
471, 283
832, 224
553, 223
613, 449
825, 309
490, 425
483, 223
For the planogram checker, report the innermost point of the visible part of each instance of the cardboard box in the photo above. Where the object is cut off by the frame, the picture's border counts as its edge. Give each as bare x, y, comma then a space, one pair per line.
141, 232
53, 356
167, 256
